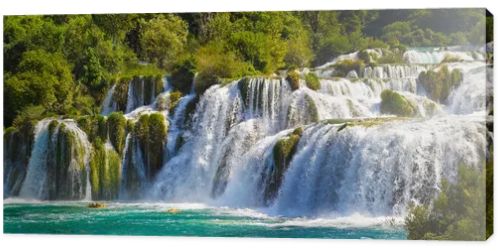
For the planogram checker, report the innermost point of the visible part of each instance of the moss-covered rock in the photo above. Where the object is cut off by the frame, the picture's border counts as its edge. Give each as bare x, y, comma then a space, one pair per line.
174, 100
312, 81
397, 104
312, 109
120, 94
439, 84
293, 79
94, 126
105, 172
86, 123
102, 127
117, 130
150, 132
365, 122
393, 56
66, 166
130, 126
342, 68
368, 57
283, 151
18, 142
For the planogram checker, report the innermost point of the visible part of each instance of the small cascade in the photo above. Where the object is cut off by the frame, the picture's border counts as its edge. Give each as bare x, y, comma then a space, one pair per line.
468, 97
177, 125
34, 185
436, 56
266, 98
59, 163
109, 105
133, 181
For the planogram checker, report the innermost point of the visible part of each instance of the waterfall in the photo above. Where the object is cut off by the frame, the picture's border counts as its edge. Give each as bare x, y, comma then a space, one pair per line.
59, 163
256, 142
377, 170
436, 56
177, 124
109, 105
34, 183
468, 97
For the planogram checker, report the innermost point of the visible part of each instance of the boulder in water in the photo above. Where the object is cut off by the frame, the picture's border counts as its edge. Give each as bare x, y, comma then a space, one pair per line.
96, 205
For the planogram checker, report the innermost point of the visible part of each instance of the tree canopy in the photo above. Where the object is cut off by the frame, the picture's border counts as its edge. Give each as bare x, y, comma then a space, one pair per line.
64, 64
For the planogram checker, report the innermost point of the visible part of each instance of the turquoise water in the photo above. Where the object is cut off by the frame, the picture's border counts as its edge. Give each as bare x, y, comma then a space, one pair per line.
189, 220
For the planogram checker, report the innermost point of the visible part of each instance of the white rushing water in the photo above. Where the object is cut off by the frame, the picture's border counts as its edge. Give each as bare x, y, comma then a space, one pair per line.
38, 184
222, 152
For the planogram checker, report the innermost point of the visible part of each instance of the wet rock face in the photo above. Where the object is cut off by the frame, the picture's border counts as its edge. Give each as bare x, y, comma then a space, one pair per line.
17, 151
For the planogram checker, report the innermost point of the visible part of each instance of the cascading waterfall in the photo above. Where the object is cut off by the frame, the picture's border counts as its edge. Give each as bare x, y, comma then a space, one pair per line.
59, 163
377, 170
257, 143
108, 105
34, 183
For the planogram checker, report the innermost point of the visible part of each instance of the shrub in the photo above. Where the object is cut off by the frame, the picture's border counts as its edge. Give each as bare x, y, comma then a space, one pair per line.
214, 62
438, 85
293, 79
397, 104
182, 76
312, 81
203, 81
457, 213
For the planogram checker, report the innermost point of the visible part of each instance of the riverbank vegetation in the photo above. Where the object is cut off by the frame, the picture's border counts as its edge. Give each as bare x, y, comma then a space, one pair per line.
462, 210
64, 64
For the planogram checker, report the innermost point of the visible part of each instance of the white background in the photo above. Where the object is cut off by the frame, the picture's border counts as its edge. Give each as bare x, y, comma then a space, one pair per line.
115, 243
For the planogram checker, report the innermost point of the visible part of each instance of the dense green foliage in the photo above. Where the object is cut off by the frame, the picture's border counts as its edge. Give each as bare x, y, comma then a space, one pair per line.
458, 212
64, 64
397, 104
439, 84
293, 79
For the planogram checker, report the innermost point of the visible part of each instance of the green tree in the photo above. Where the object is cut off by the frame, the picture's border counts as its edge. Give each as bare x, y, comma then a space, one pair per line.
162, 39
457, 213
44, 79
